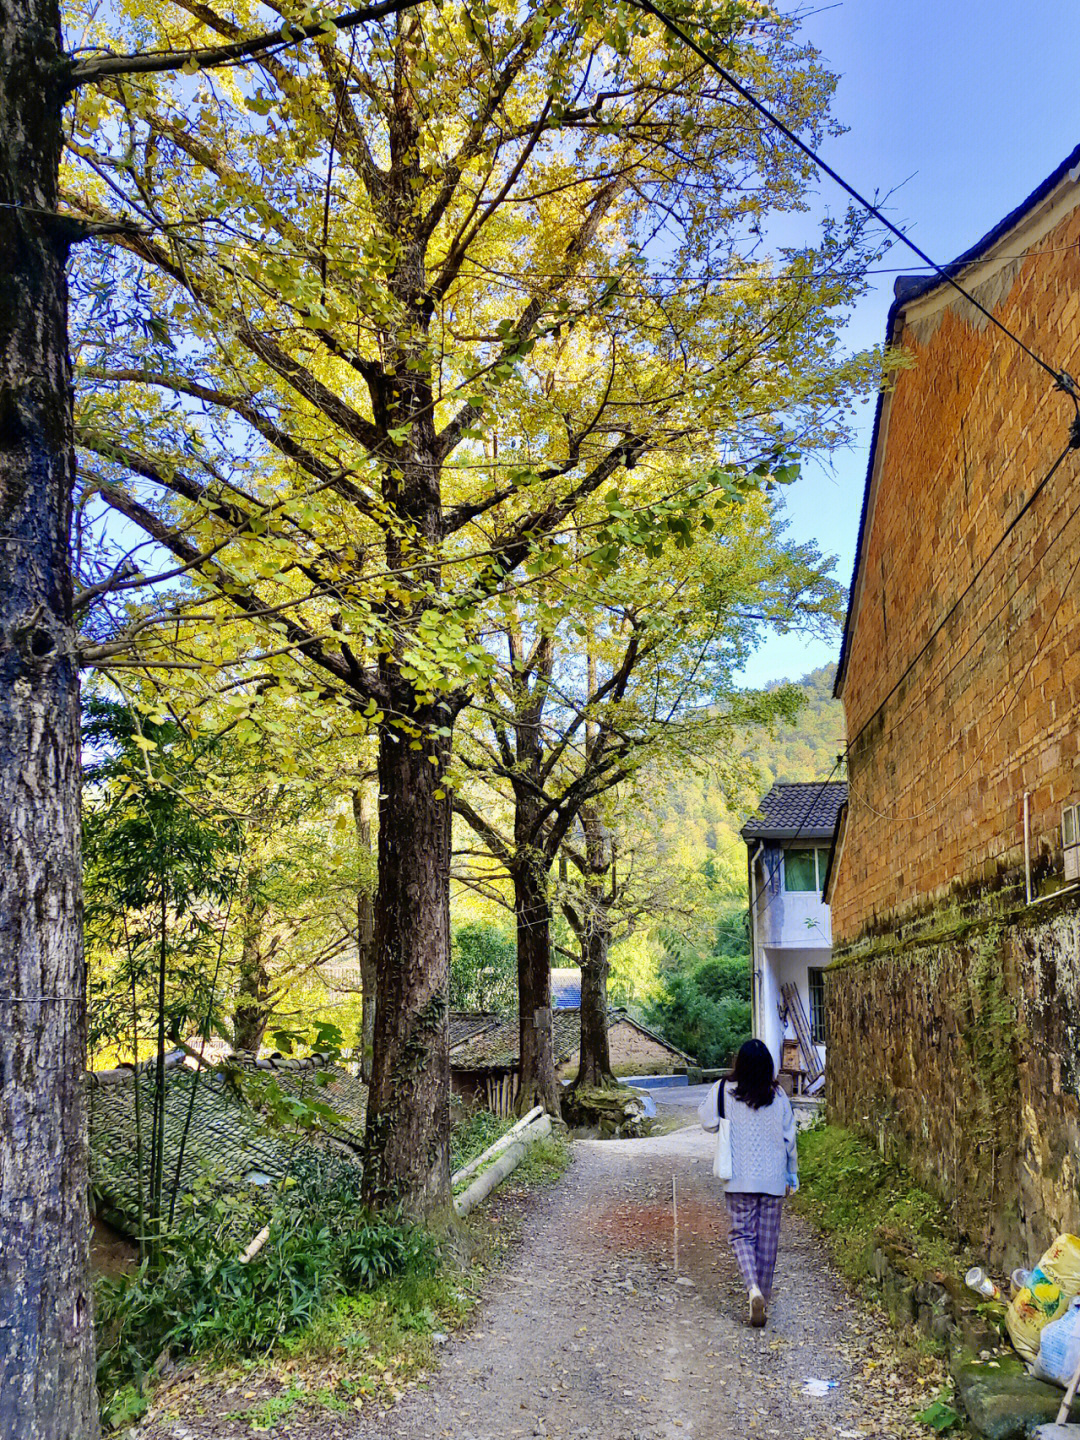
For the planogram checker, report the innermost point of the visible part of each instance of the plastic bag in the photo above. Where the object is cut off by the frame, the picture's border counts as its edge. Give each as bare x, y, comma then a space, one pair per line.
1053, 1284
1062, 1263
1059, 1348
1031, 1310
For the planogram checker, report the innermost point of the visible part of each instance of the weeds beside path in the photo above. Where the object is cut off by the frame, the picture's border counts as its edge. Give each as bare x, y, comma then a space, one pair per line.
587, 1333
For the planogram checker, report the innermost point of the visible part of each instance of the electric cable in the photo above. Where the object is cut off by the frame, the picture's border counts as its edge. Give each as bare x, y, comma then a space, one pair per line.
1073, 444
1062, 379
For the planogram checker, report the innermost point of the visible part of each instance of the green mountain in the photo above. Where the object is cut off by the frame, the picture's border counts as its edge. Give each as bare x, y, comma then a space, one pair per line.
695, 820
806, 750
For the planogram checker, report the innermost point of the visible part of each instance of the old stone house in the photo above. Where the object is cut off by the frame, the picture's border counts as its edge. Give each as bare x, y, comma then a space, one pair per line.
485, 1054
954, 999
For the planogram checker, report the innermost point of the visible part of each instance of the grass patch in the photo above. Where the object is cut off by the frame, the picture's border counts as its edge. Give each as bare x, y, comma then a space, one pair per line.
339, 1307
545, 1161
472, 1135
864, 1203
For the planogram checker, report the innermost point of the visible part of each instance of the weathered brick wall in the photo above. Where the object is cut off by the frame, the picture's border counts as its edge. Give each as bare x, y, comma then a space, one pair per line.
958, 1052
632, 1053
990, 709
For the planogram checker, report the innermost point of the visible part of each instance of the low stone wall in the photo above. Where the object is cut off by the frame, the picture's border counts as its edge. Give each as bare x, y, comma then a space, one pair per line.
955, 1046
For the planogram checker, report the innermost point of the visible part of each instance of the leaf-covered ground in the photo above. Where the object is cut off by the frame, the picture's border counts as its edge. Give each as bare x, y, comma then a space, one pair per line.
588, 1333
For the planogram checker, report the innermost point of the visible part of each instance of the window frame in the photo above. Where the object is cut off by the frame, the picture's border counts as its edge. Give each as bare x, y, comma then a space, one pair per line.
815, 985
821, 864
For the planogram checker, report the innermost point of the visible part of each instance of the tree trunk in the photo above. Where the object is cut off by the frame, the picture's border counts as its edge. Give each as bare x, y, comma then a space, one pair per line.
365, 938
252, 1013
594, 1063
407, 1150
538, 1085
46, 1335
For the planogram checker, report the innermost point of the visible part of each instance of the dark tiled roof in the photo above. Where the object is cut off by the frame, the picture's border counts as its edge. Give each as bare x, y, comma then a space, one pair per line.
316, 1078
566, 989
226, 1141
803, 811
497, 1048
464, 1024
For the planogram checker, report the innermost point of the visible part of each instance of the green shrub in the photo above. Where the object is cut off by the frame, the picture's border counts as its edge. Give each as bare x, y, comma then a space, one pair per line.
724, 977
200, 1298
708, 1026
483, 969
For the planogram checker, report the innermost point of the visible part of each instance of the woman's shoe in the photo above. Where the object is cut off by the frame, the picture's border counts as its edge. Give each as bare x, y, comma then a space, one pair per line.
757, 1308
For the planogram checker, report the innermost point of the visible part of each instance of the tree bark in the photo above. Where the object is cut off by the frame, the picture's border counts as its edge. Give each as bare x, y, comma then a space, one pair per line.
594, 1060
407, 1149
252, 1012
365, 938
538, 1084
46, 1335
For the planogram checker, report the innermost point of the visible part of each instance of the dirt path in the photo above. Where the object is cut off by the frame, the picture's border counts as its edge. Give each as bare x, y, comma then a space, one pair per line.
589, 1334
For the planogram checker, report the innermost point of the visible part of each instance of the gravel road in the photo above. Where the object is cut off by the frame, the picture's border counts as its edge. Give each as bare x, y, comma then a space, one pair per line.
589, 1333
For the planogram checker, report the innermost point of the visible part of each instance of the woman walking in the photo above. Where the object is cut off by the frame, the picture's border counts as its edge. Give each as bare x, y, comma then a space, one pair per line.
764, 1167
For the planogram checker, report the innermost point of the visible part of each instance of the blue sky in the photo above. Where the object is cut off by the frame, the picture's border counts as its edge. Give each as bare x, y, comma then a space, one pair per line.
960, 108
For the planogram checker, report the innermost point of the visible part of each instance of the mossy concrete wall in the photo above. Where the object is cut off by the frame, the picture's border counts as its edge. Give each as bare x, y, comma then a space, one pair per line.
956, 1047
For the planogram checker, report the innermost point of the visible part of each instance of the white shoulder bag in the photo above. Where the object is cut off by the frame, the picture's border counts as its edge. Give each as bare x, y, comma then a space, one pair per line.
712, 1117
722, 1160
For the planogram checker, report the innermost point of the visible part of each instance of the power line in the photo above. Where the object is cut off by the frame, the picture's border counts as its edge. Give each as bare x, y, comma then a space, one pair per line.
1061, 378
1074, 443
1007, 705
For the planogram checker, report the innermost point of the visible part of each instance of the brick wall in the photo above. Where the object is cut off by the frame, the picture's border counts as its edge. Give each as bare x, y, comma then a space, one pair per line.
632, 1053
990, 707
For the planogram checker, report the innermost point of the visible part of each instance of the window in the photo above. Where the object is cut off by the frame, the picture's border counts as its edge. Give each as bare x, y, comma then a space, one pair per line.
805, 869
799, 870
1070, 838
816, 984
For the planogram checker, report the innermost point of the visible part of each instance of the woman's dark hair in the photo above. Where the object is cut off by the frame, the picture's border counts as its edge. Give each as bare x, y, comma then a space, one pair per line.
753, 1075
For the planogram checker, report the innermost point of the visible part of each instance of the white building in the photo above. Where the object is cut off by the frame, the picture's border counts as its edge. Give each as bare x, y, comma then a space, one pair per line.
788, 844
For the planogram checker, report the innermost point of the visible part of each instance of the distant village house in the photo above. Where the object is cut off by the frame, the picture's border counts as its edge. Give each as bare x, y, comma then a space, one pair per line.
485, 1058
788, 843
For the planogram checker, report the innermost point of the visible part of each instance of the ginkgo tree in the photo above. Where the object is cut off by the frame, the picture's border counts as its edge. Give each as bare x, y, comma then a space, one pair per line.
420, 301
337, 273
47, 1361
598, 684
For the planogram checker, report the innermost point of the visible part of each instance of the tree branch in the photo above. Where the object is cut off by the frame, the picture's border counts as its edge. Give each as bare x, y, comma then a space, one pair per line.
85, 72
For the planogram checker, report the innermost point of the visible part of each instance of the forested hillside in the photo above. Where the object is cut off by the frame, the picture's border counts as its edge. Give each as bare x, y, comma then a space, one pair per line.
808, 749
696, 818
698, 987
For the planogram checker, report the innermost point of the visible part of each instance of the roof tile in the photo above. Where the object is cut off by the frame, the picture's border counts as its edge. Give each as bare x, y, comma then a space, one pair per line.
789, 812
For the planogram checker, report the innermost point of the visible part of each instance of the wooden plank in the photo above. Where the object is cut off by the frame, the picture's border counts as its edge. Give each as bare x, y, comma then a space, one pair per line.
797, 1016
